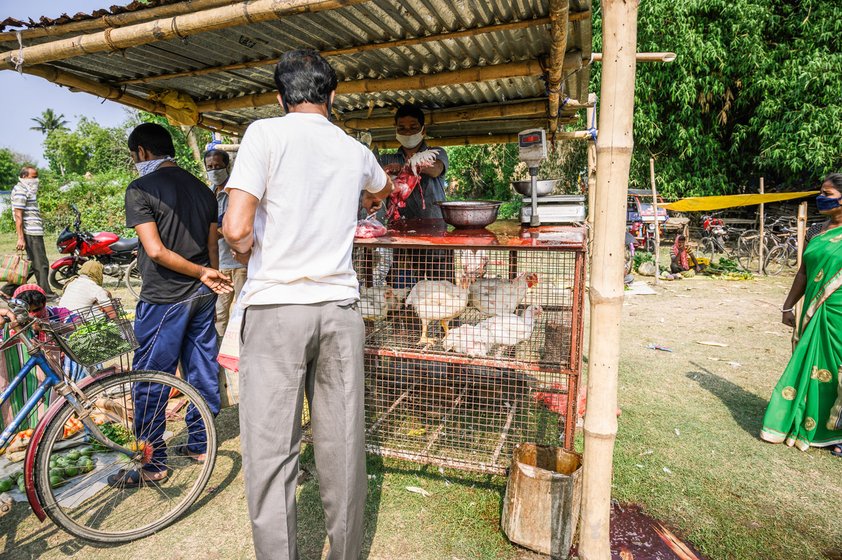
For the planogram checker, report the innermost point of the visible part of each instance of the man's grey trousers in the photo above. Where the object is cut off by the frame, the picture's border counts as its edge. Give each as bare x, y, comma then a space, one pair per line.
287, 352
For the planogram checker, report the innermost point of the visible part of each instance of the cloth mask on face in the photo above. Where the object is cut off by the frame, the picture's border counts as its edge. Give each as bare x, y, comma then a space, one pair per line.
217, 176
30, 183
826, 203
147, 167
410, 141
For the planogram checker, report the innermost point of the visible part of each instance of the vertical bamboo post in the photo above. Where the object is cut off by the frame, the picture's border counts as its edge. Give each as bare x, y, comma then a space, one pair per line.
591, 117
657, 225
762, 237
606, 281
193, 144
801, 230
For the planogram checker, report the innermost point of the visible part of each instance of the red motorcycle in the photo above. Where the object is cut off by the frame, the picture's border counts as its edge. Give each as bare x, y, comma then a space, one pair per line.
117, 255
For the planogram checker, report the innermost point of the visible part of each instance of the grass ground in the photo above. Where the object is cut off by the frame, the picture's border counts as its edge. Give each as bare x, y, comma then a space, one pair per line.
687, 451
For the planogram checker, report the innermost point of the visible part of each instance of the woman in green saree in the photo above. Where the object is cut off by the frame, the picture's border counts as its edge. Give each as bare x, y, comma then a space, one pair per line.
806, 406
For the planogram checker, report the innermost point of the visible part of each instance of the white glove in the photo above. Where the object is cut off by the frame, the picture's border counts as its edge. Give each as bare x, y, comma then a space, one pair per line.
422, 159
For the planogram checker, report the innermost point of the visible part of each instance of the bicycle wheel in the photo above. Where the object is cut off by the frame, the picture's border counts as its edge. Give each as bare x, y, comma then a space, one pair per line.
708, 248
82, 502
776, 261
747, 253
133, 279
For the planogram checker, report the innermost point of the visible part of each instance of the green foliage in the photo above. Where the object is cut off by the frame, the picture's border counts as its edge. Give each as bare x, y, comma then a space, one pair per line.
10, 166
48, 122
90, 148
755, 90
100, 198
641, 257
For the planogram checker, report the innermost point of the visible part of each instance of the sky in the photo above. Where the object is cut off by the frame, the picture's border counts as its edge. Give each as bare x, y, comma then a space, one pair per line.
23, 97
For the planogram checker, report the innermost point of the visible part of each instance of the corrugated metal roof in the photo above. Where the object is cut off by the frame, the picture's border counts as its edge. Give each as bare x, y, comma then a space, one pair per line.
148, 65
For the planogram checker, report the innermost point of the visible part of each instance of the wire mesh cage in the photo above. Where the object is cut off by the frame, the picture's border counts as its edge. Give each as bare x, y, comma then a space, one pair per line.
96, 334
469, 351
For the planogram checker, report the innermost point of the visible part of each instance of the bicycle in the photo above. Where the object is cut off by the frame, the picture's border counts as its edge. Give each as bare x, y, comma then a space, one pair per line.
785, 252
114, 411
716, 235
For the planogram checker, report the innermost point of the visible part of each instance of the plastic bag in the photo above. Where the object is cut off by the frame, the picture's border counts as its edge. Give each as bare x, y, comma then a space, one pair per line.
369, 228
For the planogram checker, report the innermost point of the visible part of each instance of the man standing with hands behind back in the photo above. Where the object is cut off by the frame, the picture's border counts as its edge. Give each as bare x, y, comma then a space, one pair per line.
293, 206
30, 226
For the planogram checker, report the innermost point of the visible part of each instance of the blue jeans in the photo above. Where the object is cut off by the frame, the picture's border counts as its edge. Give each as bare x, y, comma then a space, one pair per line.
168, 333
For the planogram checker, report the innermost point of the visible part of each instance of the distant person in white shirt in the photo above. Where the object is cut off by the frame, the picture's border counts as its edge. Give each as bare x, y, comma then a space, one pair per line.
293, 203
86, 289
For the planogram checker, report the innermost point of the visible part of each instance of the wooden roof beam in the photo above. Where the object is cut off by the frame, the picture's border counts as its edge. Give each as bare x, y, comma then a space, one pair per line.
484, 139
347, 50
113, 20
175, 27
559, 12
491, 111
105, 91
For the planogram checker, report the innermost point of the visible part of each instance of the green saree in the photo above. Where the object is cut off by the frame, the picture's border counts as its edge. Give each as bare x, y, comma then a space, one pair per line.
805, 407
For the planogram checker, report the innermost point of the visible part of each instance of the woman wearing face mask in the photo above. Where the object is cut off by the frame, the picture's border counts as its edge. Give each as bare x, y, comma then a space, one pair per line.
806, 406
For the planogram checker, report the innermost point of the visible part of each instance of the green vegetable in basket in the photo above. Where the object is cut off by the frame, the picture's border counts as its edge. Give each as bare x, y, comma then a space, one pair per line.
61, 462
71, 471
55, 480
57, 472
73, 456
87, 451
97, 341
86, 466
117, 433
6, 484
22, 484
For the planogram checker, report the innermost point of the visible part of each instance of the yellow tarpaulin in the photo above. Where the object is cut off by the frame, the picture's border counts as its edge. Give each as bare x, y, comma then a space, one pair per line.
704, 203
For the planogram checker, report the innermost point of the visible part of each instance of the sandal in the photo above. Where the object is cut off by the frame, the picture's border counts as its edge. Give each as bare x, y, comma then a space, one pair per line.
131, 479
183, 451
836, 450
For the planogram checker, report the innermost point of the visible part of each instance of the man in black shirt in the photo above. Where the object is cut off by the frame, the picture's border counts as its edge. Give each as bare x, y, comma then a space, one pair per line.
174, 215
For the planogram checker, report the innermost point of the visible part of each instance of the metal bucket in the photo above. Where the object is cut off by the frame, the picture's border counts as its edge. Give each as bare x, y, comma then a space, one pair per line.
543, 496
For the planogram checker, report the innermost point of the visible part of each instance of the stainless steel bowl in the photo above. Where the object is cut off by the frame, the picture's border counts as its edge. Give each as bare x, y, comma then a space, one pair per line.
544, 187
469, 213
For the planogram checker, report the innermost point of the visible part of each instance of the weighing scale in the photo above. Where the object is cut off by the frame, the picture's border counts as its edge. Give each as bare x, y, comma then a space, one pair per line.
551, 209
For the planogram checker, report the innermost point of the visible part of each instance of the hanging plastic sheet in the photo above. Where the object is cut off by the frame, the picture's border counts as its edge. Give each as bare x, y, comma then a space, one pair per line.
707, 203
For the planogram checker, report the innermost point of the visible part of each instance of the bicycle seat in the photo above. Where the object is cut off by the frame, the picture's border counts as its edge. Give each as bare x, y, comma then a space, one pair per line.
124, 244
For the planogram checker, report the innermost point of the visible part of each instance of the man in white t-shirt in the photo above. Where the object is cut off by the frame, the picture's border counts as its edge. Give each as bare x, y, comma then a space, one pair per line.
292, 212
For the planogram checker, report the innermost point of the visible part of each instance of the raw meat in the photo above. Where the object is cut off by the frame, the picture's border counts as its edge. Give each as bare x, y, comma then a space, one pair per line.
368, 229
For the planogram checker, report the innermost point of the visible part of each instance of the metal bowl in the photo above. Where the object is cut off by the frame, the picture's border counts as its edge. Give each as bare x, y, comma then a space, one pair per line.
544, 187
470, 213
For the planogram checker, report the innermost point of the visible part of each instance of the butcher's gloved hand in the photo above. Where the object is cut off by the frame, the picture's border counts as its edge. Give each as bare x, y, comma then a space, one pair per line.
422, 159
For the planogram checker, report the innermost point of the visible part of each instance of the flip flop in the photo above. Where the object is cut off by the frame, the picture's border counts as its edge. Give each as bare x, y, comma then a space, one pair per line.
131, 479
836, 450
182, 451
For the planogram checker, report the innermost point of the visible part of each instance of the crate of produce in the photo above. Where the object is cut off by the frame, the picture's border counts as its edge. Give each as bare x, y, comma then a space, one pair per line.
96, 334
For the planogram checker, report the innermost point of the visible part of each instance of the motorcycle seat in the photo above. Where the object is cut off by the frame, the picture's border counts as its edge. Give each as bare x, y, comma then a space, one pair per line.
124, 244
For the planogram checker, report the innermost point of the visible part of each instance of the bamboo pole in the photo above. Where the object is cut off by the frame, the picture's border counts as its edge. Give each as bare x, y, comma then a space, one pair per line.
762, 238
60, 77
492, 111
482, 139
643, 57
657, 225
113, 20
559, 10
349, 50
175, 27
801, 237
591, 121
614, 150
424, 81
193, 144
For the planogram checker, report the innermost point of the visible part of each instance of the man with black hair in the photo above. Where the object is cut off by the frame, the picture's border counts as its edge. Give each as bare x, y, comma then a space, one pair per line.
410, 132
30, 227
174, 215
293, 203
216, 165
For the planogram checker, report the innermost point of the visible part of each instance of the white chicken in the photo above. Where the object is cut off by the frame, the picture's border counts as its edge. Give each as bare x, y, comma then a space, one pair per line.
495, 296
472, 340
437, 300
508, 330
377, 301
474, 262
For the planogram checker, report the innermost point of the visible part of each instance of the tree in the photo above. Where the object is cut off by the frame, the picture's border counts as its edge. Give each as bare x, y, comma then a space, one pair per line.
89, 148
48, 122
10, 166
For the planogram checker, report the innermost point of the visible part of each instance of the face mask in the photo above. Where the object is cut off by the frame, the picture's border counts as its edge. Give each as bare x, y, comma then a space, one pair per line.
217, 176
411, 141
147, 167
30, 182
826, 203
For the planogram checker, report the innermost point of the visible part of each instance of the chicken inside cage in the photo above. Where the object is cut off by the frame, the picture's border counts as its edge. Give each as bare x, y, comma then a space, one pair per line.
468, 351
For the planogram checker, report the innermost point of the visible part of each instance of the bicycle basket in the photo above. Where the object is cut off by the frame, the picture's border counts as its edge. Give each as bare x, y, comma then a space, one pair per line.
96, 334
